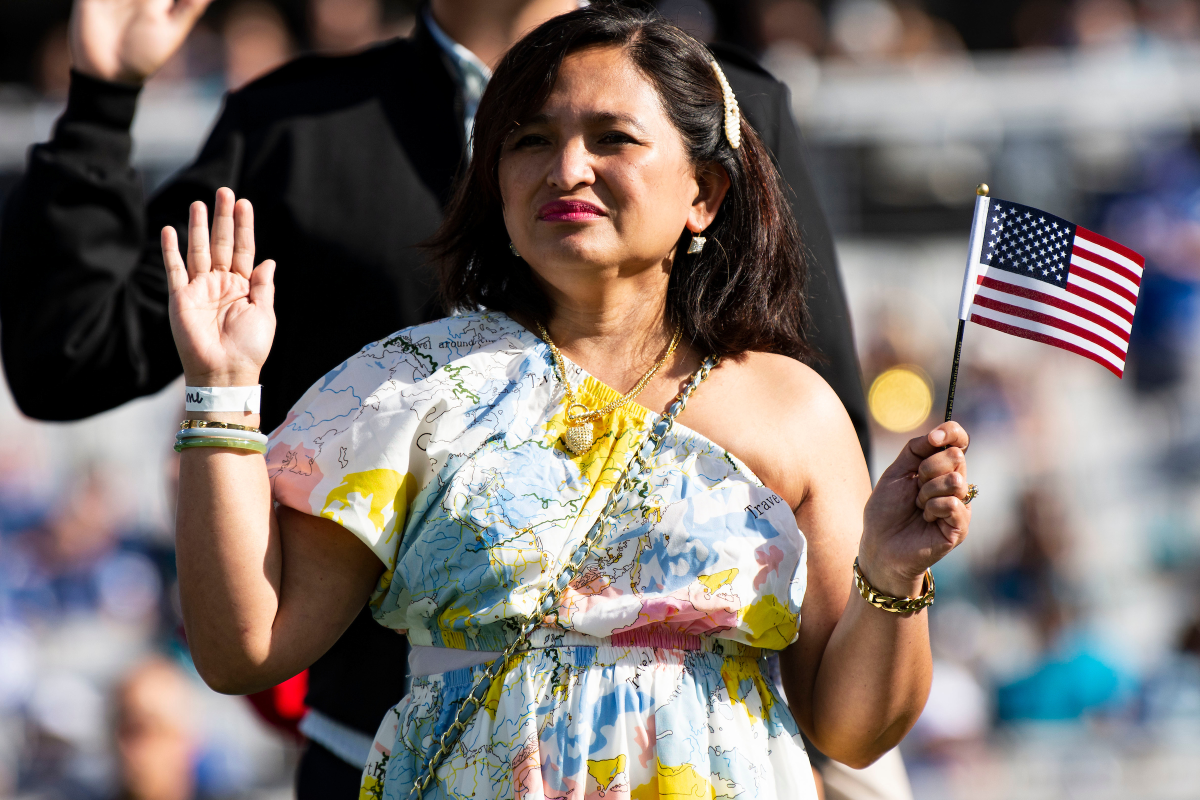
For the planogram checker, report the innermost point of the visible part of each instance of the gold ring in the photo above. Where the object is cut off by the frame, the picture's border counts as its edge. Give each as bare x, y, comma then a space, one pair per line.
972, 493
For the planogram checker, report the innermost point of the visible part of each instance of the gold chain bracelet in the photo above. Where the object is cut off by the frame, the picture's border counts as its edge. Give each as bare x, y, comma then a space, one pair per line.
208, 423
897, 605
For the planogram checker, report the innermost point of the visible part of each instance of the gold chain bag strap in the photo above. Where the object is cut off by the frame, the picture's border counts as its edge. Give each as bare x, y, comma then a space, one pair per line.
549, 599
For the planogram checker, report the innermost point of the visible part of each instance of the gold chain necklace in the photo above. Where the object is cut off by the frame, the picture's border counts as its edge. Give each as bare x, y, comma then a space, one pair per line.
580, 436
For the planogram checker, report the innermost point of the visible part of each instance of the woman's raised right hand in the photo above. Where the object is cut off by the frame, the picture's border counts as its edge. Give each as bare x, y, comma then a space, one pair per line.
220, 304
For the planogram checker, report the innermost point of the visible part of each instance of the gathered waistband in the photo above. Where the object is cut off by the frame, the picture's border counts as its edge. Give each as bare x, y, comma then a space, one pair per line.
643, 637
426, 661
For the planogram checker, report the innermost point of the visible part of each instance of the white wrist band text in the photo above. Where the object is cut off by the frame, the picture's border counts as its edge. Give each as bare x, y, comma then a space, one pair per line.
223, 398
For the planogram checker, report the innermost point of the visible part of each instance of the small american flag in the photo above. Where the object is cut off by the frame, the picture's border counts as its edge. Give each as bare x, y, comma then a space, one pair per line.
1037, 276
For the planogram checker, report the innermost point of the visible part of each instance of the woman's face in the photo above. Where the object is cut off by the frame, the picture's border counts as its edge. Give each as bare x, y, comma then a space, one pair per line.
598, 182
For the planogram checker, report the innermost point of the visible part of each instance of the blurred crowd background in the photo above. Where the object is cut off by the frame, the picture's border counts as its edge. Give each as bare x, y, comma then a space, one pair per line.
1067, 629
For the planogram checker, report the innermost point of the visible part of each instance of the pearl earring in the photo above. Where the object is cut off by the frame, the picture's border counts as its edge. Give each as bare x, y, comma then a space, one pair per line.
697, 245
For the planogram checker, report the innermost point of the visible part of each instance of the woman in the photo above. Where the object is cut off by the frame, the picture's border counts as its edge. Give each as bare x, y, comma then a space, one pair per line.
603, 580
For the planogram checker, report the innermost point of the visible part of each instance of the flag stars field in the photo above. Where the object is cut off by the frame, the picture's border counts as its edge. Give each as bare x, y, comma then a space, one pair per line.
1039, 251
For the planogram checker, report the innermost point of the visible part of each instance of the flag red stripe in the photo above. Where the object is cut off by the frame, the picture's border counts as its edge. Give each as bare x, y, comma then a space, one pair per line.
1042, 297
1086, 294
1116, 247
1099, 260
1053, 322
1050, 340
1053, 333
1100, 280
1073, 288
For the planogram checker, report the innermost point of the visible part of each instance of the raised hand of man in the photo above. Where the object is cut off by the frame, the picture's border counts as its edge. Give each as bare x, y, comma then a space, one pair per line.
129, 40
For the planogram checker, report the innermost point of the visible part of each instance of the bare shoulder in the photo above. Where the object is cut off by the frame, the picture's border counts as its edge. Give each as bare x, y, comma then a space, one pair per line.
778, 416
782, 385
777, 388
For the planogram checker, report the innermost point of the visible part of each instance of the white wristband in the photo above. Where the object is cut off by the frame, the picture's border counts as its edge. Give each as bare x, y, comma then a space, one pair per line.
223, 398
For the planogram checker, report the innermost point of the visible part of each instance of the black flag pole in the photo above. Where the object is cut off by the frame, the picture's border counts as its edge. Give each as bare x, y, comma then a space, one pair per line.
981, 191
962, 324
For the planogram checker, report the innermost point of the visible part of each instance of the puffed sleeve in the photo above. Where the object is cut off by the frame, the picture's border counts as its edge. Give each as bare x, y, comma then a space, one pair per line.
345, 450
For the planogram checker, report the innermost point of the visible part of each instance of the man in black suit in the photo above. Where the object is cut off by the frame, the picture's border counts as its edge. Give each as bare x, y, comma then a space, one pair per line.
348, 162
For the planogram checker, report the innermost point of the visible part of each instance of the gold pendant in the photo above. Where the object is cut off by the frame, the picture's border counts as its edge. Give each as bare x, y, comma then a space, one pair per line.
580, 438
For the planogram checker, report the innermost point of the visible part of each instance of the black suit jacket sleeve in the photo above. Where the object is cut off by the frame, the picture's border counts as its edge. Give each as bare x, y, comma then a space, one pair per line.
83, 296
766, 104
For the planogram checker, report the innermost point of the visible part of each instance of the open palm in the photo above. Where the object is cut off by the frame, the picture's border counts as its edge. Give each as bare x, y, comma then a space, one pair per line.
128, 40
220, 304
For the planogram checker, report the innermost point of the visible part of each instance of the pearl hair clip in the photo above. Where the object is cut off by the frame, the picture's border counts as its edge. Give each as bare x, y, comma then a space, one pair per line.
733, 115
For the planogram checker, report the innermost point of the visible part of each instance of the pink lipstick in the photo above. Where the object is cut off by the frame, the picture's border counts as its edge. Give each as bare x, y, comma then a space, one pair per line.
569, 211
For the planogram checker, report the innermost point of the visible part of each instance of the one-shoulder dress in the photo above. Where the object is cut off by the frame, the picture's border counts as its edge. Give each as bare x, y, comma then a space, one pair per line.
441, 447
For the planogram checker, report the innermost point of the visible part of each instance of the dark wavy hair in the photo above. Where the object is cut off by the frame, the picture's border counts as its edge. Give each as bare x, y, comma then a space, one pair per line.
744, 291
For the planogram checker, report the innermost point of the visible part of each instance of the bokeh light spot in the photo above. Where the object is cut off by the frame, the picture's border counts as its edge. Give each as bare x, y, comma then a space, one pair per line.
901, 398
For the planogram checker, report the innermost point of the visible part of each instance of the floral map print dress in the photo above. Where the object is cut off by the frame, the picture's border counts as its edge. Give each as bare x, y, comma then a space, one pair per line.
441, 448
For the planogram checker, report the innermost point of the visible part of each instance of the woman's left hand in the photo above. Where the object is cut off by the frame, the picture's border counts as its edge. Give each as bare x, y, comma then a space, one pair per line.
916, 514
